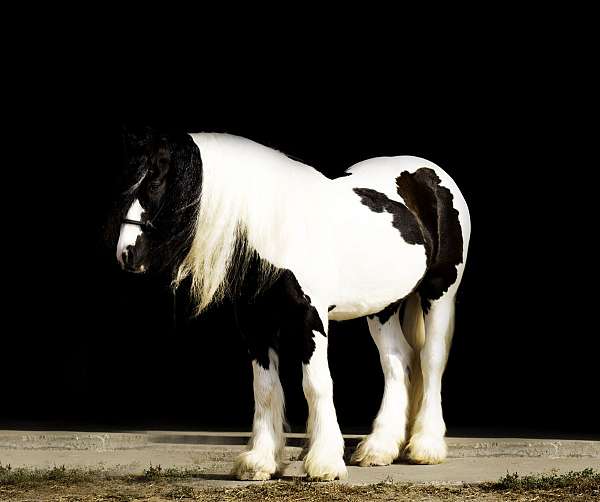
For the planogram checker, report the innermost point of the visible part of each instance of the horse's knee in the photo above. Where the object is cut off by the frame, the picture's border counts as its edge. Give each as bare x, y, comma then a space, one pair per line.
267, 386
316, 381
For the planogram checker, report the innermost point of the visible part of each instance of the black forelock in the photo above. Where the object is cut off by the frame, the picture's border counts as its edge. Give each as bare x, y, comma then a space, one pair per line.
135, 142
179, 207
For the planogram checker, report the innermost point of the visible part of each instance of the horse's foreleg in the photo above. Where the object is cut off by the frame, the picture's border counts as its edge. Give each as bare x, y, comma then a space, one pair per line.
324, 459
427, 445
265, 448
386, 441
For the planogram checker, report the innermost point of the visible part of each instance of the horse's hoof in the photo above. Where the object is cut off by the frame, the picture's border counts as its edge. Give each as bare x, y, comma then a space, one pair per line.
426, 449
374, 451
254, 465
324, 468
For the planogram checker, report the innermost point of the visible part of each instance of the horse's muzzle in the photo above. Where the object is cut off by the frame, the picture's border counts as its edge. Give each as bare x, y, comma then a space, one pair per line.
129, 261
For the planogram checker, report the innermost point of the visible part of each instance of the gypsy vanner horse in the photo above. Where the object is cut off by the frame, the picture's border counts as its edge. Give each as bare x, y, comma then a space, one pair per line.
293, 249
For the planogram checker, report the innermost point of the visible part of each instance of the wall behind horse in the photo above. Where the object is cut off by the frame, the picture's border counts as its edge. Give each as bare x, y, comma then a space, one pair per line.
93, 345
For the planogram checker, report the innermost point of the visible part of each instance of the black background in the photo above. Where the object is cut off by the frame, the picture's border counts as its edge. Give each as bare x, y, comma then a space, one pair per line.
86, 345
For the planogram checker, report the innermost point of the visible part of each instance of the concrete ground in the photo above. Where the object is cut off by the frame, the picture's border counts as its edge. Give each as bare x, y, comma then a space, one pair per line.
470, 460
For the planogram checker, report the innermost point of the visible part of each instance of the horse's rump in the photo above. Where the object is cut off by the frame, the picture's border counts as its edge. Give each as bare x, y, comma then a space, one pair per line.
432, 205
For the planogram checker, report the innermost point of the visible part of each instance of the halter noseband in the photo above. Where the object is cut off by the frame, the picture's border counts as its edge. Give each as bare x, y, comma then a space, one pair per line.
145, 226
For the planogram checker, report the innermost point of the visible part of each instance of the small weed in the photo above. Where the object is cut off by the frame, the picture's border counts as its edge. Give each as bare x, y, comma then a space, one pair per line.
152, 473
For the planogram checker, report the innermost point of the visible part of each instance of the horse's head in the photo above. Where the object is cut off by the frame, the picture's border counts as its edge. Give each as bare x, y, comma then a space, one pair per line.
160, 193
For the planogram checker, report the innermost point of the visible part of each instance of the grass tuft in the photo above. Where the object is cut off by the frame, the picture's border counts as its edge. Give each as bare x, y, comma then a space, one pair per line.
586, 481
26, 476
62, 475
156, 473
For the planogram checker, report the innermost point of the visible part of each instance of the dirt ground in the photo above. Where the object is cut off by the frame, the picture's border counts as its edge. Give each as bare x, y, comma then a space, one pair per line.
289, 492
65, 487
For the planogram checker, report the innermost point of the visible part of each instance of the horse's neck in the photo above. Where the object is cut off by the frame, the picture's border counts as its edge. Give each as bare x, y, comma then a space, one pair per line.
255, 186
234, 157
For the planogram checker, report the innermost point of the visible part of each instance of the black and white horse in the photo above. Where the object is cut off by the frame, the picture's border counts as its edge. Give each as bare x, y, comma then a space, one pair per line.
387, 241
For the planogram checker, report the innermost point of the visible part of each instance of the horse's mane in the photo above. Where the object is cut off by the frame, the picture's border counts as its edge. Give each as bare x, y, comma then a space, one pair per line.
241, 212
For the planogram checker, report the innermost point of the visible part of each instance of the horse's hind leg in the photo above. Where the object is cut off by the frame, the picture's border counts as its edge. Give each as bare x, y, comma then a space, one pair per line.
265, 448
386, 441
427, 445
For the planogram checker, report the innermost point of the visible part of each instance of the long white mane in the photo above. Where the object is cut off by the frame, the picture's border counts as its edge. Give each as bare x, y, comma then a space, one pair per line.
242, 209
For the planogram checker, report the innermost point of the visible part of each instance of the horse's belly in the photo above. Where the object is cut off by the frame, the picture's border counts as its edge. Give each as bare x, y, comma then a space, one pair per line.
375, 265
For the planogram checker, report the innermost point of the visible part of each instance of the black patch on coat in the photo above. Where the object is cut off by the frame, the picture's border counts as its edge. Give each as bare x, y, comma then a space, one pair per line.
259, 327
384, 315
431, 203
330, 308
279, 312
403, 219
302, 317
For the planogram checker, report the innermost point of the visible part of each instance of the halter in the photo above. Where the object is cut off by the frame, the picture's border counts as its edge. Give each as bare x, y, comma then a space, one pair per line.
147, 226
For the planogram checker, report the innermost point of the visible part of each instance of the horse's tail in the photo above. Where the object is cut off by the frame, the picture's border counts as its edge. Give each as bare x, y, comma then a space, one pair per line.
413, 328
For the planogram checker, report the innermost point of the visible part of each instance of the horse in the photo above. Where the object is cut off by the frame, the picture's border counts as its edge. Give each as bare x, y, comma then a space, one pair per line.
294, 249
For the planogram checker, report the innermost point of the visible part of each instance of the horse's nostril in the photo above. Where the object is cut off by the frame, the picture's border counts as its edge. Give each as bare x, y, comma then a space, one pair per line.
128, 257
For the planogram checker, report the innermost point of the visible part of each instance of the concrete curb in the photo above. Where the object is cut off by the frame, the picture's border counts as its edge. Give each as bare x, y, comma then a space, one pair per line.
211, 456
224, 446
